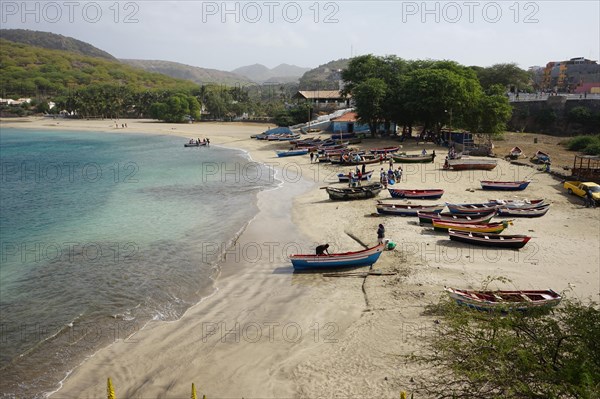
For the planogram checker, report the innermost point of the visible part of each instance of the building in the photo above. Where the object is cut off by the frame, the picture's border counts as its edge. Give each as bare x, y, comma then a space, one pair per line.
568, 76
321, 99
348, 123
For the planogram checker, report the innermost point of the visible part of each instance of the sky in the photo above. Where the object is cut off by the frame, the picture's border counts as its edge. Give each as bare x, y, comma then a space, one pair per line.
226, 35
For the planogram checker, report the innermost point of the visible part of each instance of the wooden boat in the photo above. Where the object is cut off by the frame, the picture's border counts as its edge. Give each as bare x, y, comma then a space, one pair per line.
343, 178
499, 227
472, 164
515, 153
195, 144
386, 150
472, 208
505, 185
416, 194
364, 160
403, 158
540, 157
292, 153
427, 217
365, 257
407, 210
354, 193
505, 301
489, 240
517, 202
524, 212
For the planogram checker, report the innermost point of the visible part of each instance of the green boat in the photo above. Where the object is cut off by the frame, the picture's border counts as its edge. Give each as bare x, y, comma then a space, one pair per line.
403, 158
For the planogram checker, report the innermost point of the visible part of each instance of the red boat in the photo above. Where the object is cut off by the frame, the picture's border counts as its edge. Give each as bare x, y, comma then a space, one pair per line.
416, 194
505, 301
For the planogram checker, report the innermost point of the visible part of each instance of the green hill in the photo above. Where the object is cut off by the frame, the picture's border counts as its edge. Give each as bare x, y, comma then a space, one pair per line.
28, 70
195, 74
53, 41
324, 77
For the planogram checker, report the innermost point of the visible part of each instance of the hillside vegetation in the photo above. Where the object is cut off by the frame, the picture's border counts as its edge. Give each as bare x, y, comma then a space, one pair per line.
28, 71
52, 41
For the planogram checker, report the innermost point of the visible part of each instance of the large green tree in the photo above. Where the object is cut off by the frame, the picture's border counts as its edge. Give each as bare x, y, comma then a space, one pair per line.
369, 97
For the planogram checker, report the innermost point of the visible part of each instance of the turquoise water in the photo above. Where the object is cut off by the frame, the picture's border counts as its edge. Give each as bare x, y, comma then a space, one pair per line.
100, 233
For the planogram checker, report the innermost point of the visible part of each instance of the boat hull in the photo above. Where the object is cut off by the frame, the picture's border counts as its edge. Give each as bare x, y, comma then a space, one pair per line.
416, 194
345, 179
472, 164
406, 210
292, 153
427, 217
366, 257
413, 158
532, 212
440, 225
505, 301
504, 186
489, 240
354, 193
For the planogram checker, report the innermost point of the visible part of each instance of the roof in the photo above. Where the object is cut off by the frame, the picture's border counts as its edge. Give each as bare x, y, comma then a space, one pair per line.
319, 94
347, 117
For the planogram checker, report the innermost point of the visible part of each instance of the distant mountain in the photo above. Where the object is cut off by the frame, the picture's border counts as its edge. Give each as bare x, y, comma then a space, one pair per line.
283, 73
182, 71
53, 41
324, 77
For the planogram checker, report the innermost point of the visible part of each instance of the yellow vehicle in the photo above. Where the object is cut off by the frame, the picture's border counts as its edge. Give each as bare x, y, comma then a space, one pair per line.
579, 188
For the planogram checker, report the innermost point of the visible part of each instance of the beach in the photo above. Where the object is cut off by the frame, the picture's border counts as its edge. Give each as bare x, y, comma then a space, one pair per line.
267, 332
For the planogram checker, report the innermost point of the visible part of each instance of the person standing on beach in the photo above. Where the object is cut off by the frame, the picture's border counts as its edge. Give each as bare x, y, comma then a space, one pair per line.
380, 234
312, 155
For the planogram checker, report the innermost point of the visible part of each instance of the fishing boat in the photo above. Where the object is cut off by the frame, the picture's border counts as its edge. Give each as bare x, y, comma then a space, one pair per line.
505, 301
416, 194
404, 158
292, 153
472, 208
406, 209
524, 212
505, 185
343, 178
354, 193
540, 157
499, 227
359, 160
515, 153
195, 144
365, 257
489, 240
427, 217
386, 150
472, 164
518, 202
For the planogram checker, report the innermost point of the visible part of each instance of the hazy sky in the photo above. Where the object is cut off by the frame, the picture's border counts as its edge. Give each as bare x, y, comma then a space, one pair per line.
226, 35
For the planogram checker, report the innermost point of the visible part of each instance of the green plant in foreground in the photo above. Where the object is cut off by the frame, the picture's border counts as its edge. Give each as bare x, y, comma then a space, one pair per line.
515, 355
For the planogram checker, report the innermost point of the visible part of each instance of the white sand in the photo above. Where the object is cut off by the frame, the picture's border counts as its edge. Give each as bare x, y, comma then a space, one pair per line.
322, 337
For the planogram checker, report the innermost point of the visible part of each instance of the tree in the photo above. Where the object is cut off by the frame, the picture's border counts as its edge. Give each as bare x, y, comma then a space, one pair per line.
493, 111
369, 96
506, 75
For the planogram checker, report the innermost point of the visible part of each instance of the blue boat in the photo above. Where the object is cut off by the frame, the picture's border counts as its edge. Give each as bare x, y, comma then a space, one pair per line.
366, 257
291, 153
505, 185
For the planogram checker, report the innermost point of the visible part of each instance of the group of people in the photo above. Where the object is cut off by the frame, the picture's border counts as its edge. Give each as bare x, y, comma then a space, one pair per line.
355, 177
313, 156
391, 174
323, 249
198, 141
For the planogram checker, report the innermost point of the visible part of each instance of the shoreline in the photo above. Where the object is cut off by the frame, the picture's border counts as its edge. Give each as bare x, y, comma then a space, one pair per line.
353, 343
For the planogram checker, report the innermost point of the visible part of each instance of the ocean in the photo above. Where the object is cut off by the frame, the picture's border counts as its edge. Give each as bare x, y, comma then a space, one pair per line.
100, 233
